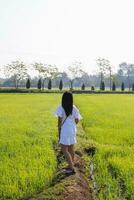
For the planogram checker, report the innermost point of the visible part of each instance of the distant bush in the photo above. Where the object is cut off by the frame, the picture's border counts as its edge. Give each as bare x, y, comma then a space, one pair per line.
133, 87
61, 85
92, 88
39, 84
113, 86
102, 85
28, 84
49, 84
83, 87
122, 86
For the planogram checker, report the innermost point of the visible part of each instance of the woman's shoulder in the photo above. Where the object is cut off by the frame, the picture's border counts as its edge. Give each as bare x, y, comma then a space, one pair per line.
59, 107
76, 112
59, 111
74, 107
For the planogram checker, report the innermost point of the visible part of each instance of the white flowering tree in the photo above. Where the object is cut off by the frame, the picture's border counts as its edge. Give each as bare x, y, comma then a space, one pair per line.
46, 71
16, 70
104, 68
75, 71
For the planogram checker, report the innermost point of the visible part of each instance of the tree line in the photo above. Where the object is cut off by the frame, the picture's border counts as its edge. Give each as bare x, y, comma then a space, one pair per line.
18, 74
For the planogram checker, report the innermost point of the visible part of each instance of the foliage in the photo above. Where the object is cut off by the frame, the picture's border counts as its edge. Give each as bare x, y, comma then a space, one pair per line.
122, 86
83, 87
113, 86
125, 73
28, 84
49, 84
102, 86
39, 84
16, 74
102, 64
46, 71
133, 87
92, 88
61, 85
75, 71
17, 70
104, 67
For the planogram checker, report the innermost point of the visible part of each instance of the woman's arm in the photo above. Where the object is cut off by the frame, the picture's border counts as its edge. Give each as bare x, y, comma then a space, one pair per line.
59, 125
77, 115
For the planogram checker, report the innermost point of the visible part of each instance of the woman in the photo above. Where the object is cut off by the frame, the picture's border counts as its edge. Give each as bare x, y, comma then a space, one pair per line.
68, 116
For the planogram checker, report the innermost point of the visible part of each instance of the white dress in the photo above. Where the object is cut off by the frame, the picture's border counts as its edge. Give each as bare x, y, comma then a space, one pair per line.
68, 129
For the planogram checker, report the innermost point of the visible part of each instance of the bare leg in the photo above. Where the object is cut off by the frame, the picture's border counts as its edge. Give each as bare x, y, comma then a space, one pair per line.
71, 151
68, 156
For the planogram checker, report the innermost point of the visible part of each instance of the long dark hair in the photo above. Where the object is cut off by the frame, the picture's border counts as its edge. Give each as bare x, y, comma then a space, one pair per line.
67, 103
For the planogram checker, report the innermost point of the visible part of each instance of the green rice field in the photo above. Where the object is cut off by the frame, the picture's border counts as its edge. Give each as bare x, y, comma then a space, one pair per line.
28, 132
109, 125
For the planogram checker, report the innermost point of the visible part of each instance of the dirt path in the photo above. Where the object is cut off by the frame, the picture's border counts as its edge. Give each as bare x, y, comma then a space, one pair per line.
79, 190
69, 187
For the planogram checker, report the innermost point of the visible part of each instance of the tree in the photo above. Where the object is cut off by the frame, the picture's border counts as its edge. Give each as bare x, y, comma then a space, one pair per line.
39, 84
28, 84
92, 88
86, 79
115, 79
83, 87
102, 86
101, 63
53, 72
113, 86
126, 73
46, 71
104, 67
61, 85
133, 87
122, 86
75, 71
42, 70
17, 70
64, 77
49, 84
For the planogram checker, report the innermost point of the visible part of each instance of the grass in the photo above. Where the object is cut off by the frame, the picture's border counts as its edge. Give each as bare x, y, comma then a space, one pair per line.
108, 122
28, 134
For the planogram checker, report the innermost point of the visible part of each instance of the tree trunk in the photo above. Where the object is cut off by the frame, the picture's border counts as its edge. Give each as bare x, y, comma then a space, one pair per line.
16, 83
129, 87
101, 77
110, 80
71, 82
43, 84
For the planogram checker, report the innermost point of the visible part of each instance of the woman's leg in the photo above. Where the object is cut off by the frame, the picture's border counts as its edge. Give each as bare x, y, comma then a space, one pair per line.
68, 156
71, 151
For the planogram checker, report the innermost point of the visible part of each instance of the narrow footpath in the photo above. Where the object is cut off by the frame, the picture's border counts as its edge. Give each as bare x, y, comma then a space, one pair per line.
71, 187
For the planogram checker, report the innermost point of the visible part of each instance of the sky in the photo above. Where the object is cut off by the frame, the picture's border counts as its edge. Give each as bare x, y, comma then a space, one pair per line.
62, 31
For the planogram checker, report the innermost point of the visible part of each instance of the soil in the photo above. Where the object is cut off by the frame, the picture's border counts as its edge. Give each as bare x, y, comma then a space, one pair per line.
72, 187
68, 187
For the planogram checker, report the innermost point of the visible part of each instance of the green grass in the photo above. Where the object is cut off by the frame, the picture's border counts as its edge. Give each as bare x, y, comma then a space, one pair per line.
28, 132
109, 124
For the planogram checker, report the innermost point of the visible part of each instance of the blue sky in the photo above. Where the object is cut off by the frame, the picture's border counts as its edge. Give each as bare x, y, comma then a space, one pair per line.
60, 31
